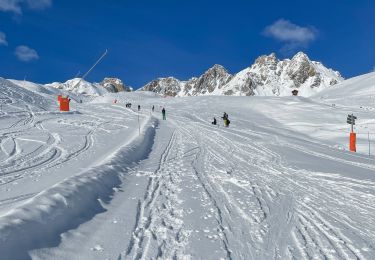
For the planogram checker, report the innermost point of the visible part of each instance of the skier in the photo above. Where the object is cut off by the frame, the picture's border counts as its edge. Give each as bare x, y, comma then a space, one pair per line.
226, 119
153, 108
225, 116
214, 122
163, 112
139, 107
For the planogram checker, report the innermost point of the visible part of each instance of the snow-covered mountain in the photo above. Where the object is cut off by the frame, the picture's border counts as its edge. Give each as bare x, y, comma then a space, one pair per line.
268, 76
77, 86
115, 85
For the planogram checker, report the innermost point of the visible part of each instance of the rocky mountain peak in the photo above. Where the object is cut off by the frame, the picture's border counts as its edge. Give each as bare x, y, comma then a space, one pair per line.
114, 85
166, 86
217, 69
213, 78
269, 61
300, 57
300, 68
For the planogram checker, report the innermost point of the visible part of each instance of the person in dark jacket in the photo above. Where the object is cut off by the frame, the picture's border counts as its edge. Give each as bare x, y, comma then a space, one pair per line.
225, 116
163, 113
139, 107
153, 108
214, 122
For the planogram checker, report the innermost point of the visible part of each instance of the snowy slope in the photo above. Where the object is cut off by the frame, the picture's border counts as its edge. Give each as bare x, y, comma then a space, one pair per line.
20, 98
38, 88
279, 183
357, 91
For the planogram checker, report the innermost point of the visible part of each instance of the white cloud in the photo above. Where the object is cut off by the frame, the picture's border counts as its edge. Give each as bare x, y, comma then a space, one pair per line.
3, 40
16, 6
11, 6
39, 4
294, 36
25, 53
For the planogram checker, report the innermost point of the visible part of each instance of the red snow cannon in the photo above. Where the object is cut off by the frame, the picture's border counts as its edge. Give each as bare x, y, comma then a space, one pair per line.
64, 104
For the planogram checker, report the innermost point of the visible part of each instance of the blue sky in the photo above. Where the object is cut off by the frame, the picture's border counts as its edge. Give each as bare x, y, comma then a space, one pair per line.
50, 40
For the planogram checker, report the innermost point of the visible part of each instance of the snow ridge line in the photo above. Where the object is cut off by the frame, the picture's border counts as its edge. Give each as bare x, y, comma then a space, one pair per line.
40, 222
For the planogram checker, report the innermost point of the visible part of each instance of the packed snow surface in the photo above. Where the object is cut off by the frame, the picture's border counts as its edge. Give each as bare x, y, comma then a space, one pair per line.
104, 181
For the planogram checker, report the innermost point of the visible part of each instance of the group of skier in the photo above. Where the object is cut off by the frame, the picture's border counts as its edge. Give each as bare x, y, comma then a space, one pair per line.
225, 118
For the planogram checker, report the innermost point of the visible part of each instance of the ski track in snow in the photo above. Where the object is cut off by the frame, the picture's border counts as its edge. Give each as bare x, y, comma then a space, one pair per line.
209, 192
257, 192
32, 141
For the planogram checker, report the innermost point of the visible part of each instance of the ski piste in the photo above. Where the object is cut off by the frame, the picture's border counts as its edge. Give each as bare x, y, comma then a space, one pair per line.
278, 183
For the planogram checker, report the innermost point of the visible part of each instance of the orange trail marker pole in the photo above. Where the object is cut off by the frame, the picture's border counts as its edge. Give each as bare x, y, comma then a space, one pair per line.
352, 144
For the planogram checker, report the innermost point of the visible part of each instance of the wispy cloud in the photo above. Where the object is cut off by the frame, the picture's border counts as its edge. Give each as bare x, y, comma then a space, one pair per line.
25, 53
292, 35
3, 40
16, 6
11, 6
39, 4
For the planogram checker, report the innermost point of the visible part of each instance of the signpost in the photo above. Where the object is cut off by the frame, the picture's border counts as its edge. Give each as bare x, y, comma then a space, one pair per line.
352, 141
351, 120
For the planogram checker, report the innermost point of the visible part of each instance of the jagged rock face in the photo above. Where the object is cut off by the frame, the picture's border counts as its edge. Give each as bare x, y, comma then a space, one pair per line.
189, 86
244, 85
300, 69
115, 85
265, 61
165, 86
268, 76
212, 79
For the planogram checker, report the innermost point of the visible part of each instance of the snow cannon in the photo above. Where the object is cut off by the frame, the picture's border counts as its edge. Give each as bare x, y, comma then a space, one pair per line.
64, 103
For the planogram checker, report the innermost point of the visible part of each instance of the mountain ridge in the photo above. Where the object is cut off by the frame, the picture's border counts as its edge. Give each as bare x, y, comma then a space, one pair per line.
267, 76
